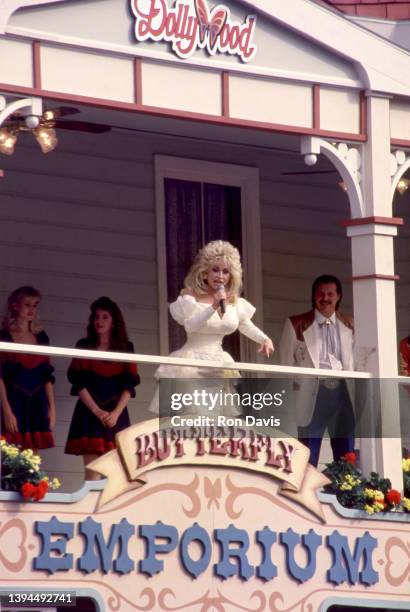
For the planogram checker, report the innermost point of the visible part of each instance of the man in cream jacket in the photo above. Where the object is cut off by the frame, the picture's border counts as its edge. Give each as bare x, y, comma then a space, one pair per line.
322, 338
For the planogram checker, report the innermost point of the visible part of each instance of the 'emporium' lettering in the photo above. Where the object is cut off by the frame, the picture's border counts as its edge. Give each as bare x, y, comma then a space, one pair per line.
229, 548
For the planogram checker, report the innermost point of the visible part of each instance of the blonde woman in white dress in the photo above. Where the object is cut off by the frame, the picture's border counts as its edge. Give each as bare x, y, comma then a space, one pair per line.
214, 278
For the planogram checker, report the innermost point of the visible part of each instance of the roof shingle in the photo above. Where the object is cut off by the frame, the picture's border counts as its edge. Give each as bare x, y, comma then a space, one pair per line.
383, 9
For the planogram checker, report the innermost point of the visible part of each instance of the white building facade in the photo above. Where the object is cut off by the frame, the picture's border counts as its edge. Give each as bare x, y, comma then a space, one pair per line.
290, 100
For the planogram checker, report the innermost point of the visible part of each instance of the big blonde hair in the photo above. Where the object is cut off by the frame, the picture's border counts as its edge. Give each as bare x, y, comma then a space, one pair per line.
17, 296
215, 251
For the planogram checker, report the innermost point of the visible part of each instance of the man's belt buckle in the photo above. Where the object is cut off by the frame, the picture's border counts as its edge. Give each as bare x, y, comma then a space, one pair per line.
330, 383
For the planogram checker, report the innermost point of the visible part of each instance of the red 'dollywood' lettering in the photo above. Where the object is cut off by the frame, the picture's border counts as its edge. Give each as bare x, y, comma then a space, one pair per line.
190, 25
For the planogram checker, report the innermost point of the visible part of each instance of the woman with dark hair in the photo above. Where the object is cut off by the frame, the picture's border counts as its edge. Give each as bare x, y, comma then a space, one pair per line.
103, 387
26, 381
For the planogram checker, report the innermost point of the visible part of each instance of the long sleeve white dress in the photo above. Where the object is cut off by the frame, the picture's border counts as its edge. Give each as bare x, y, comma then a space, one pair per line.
205, 331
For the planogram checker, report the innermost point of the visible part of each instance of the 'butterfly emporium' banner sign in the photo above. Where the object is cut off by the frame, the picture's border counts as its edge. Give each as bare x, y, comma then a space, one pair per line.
191, 24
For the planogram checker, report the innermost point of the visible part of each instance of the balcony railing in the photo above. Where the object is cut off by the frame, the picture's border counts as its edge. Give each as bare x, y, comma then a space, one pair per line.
139, 358
274, 371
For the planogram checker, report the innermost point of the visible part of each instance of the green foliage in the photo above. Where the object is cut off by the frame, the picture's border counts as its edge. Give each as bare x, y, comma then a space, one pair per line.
346, 483
373, 494
406, 478
378, 483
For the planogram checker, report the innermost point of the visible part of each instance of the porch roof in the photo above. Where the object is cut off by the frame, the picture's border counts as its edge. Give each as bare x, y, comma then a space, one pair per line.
383, 66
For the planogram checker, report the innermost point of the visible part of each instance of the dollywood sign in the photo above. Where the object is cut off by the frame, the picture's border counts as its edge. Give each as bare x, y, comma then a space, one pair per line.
191, 25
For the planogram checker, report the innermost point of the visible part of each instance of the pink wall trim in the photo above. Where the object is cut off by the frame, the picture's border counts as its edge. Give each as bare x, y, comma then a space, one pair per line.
138, 80
316, 107
174, 113
392, 277
225, 93
373, 220
36, 64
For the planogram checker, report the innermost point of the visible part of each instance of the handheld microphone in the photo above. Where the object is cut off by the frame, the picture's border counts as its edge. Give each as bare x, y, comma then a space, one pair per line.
222, 304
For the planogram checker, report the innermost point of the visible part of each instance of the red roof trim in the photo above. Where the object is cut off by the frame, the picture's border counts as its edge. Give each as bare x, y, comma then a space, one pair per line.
373, 220
395, 10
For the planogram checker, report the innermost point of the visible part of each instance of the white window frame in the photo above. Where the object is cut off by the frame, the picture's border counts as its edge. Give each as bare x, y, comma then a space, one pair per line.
245, 177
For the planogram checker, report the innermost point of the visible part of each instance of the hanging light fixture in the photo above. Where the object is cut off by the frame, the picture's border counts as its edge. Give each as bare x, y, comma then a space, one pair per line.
403, 185
46, 138
8, 141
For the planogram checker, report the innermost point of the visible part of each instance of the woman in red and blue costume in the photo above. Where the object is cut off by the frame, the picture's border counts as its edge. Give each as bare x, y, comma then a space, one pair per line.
103, 387
26, 382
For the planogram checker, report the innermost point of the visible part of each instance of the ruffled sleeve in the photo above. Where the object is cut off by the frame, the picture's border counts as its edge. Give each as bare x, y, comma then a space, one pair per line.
245, 312
77, 372
190, 313
183, 308
130, 378
245, 309
47, 369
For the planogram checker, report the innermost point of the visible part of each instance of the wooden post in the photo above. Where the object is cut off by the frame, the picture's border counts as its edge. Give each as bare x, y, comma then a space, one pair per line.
374, 293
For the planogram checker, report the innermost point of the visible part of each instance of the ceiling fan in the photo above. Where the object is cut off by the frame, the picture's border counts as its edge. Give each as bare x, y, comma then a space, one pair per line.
340, 183
44, 128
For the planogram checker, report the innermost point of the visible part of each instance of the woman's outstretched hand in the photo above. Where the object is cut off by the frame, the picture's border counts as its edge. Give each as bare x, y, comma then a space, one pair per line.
266, 348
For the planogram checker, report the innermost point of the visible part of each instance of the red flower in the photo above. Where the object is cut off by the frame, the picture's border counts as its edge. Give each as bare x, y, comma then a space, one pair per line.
43, 485
393, 497
36, 492
350, 458
27, 490
41, 490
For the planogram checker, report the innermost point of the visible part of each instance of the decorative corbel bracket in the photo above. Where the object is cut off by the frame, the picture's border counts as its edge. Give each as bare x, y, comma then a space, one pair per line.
30, 106
347, 161
399, 164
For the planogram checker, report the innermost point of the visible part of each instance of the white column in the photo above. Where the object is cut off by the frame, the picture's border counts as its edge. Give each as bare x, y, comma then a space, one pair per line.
374, 290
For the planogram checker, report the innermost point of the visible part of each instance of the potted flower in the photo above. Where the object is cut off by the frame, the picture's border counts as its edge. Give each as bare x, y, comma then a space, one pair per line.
20, 471
373, 494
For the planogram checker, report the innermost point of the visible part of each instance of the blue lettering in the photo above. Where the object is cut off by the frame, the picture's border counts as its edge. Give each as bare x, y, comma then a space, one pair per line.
119, 534
224, 568
311, 541
150, 564
45, 561
266, 538
352, 562
196, 533
345, 566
